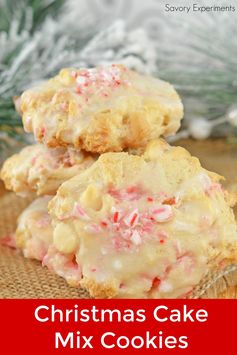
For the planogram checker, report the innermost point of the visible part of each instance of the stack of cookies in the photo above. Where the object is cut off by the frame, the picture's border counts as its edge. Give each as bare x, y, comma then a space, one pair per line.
120, 212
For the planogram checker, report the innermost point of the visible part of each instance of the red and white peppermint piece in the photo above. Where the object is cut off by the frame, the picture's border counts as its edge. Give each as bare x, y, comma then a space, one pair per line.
136, 238
163, 213
132, 193
126, 233
74, 74
162, 235
117, 215
92, 228
81, 80
150, 199
104, 223
132, 219
78, 212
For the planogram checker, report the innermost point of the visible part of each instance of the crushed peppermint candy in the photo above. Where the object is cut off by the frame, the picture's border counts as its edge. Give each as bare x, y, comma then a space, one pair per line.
74, 74
162, 234
136, 238
155, 283
117, 215
149, 199
104, 224
163, 214
129, 194
131, 227
78, 212
132, 219
95, 80
92, 228
81, 80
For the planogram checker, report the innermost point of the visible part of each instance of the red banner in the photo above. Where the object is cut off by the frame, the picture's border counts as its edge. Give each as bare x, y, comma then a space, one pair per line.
118, 326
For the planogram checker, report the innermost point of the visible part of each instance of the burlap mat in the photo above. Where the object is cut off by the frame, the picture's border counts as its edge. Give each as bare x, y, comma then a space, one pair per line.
24, 278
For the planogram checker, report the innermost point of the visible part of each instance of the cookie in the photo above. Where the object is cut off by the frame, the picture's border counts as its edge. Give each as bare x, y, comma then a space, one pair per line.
34, 233
102, 109
148, 226
34, 236
39, 169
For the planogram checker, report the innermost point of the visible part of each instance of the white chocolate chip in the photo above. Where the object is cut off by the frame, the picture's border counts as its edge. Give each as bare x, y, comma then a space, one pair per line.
92, 198
64, 238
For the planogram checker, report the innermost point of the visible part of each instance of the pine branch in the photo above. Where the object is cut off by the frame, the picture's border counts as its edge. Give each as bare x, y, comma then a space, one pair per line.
19, 23
198, 53
11, 10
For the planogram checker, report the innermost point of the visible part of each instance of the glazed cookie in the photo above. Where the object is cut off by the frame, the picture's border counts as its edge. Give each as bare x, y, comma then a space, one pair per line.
101, 109
147, 226
39, 169
34, 236
34, 233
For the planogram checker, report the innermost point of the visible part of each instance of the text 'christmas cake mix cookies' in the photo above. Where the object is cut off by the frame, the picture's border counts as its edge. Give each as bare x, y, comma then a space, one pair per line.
37, 168
147, 226
101, 109
34, 236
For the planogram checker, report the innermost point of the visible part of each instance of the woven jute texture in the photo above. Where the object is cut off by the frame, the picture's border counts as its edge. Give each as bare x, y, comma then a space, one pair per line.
24, 278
